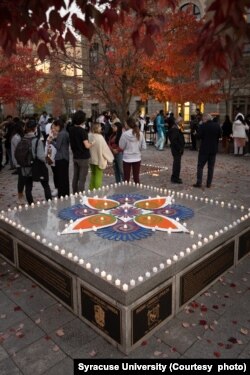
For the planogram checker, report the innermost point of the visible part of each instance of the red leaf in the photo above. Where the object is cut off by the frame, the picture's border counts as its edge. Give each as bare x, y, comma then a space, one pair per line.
215, 307
148, 45
232, 285
203, 308
234, 321
194, 304
144, 343
217, 354
47, 338
202, 322
220, 344
17, 308
228, 346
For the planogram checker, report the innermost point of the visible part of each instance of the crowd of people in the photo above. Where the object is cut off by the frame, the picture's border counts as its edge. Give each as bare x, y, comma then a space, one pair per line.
107, 140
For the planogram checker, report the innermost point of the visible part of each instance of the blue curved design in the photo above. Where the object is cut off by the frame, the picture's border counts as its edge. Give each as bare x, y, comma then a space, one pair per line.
75, 212
174, 211
118, 233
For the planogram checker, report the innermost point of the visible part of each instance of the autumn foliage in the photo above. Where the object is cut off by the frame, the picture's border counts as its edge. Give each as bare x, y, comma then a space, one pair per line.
20, 81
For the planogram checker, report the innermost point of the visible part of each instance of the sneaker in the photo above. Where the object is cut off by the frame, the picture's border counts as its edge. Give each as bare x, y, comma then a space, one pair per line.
54, 193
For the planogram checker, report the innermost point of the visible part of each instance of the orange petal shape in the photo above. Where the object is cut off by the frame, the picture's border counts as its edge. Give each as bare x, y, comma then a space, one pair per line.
88, 223
101, 203
159, 222
152, 203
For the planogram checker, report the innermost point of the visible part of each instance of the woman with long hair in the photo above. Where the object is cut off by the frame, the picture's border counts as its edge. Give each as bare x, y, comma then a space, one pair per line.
100, 155
116, 150
132, 142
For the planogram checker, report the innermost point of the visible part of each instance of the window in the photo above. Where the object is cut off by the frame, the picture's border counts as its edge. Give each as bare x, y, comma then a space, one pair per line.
192, 8
94, 54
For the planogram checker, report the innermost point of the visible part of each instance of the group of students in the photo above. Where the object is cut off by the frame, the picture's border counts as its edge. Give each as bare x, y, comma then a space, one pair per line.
51, 144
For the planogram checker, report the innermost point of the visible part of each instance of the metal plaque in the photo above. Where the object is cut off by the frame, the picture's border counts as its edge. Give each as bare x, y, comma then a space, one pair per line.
56, 281
101, 313
244, 244
151, 313
7, 247
205, 272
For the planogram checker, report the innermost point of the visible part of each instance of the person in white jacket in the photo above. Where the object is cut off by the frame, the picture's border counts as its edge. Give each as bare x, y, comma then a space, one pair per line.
132, 142
239, 134
100, 155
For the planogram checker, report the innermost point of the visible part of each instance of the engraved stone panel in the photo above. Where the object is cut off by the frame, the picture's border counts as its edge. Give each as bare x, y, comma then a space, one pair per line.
151, 313
101, 313
56, 281
7, 246
205, 272
244, 244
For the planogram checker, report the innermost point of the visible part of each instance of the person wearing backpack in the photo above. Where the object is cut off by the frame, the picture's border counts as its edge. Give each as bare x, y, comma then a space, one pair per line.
31, 147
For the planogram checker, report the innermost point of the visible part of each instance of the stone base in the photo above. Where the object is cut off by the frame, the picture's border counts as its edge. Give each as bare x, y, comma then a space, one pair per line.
125, 290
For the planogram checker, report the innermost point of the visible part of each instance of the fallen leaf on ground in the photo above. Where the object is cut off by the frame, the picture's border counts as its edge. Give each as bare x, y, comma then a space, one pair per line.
38, 321
217, 354
60, 332
92, 353
244, 331
157, 353
55, 348
3, 316
185, 324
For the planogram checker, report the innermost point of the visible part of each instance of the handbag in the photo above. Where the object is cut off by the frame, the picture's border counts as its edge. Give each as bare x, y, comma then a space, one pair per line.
39, 168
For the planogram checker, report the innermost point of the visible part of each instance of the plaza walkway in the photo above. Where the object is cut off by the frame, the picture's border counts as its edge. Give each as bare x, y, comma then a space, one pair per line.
38, 335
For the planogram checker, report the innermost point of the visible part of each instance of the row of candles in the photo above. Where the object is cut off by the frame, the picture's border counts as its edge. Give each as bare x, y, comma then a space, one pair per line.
109, 277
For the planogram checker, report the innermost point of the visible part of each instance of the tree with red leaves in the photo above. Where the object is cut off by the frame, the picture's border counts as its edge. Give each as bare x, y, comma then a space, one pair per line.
40, 22
175, 65
21, 83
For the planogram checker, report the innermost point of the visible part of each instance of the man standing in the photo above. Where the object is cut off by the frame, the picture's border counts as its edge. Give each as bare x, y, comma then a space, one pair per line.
80, 147
209, 133
177, 144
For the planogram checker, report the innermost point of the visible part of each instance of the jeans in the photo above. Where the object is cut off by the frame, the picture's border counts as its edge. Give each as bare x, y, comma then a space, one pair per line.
118, 167
81, 168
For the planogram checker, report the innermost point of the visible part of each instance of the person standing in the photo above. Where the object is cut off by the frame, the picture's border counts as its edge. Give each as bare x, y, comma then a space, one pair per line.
226, 134
132, 142
209, 133
61, 158
116, 151
239, 134
177, 144
100, 155
80, 146
160, 127
26, 172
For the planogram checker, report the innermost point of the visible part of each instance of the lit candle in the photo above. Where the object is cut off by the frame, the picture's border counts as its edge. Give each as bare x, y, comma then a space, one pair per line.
117, 282
199, 243
188, 250
210, 236
162, 266
149, 217
147, 274
194, 246
70, 255
175, 257
169, 261
216, 234
199, 235
75, 258
44, 240
205, 240
125, 287
63, 252
38, 237
132, 282
155, 269
182, 254
140, 278
109, 277
125, 226
81, 261
88, 266
103, 273
191, 233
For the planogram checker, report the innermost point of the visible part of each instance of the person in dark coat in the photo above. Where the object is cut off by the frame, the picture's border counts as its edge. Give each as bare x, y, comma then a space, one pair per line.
209, 133
177, 144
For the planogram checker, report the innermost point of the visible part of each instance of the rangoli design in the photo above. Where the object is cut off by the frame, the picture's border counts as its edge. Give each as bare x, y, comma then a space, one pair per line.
125, 217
